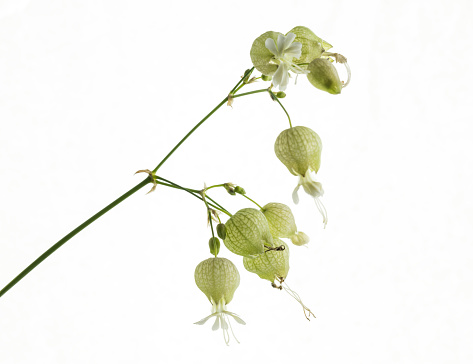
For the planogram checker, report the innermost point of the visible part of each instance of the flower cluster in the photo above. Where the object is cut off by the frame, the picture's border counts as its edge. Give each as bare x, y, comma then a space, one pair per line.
256, 234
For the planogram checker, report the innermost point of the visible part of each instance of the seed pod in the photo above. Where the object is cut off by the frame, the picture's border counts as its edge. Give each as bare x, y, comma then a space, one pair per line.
214, 245
299, 148
270, 265
247, 232
324, 76
221, 231
218, 278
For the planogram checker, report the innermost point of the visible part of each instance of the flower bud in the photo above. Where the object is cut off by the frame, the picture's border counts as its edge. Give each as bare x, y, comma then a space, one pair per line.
230, 187
266, 78
240, 190
324, 76
214, 245
247, 233
300, 238
299, 148
273, 264
281, 94
221, 231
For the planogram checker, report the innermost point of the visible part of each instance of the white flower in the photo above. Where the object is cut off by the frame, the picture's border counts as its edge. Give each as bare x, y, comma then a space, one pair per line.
314, 189
219, 311
218, 279
284, 53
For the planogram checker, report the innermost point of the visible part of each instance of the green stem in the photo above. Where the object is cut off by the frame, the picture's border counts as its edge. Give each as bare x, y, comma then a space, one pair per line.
253, 201
251, 92
78, 229
117, 201
279, 102
245, 76
196, 191
195, 195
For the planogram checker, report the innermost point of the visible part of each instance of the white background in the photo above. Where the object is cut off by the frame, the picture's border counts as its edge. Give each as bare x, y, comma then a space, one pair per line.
91, 91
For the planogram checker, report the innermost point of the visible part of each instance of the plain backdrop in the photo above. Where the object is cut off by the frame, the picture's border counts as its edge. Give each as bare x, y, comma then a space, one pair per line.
91, 91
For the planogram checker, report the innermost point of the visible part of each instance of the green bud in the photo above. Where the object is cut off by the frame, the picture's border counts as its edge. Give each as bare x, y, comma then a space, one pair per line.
281, 94
266, 78
272, 264
300, 238
324, 76
230, 188
221, 231
299, 148
247, 232
214, 245
240, 190
218, 278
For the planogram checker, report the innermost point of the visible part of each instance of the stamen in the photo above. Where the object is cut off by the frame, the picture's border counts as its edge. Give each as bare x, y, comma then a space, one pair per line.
231, 329
345, 84
322, 210
307, 311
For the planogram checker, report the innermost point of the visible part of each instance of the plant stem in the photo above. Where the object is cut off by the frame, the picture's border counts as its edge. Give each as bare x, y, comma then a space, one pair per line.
61, 242
193, 193
196, 191
81, 227
249, 93
253, 201
279, 102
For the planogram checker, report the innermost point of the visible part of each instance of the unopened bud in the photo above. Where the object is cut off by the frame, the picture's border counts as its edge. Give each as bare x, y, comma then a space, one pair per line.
230, 188
214, 245
240, 190
266, 78
324, 76
221, 231
281, 95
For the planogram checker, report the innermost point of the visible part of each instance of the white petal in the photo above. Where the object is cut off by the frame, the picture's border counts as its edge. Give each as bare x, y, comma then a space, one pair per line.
295, 196
294, 48
269, 43
204, 320
285, 78
216, 324
281, 40
224, 324
277, 77
236, 317
287, 42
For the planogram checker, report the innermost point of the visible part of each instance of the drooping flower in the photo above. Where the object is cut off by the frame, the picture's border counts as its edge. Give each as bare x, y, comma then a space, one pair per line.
218, 278
282, 223
247, 233
273, 266
299, 149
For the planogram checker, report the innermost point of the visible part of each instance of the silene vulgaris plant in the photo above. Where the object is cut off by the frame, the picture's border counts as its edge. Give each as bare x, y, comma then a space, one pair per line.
254, 233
